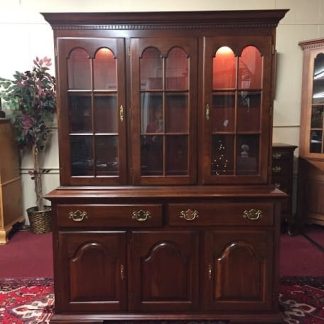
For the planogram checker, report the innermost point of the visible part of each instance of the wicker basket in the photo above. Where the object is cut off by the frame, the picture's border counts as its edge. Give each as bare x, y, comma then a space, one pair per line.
40, 221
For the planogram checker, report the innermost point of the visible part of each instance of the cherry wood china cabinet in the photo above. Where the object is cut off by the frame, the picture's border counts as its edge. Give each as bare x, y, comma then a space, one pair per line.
166, 209
311, 162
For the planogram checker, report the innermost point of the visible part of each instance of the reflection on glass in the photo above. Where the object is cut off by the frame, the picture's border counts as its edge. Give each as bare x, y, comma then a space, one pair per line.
316, 141
80, 113
151, 72
176, 155
105, 70
81, 155
177, 66
222, 155
248, 114
317, 117
223, 112
247, 155
224, 69
152, 113
318, 80
152, 155
105, 114
79, 70
177, 115
106, 155
250, 69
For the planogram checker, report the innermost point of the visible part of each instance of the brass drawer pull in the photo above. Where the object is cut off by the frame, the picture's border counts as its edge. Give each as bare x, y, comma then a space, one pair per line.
141, 215
189, 214
78, 215
252, 214
277, 155
276, 169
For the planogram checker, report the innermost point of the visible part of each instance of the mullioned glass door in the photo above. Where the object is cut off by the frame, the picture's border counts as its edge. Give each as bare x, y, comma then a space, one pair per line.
92, 111
236, 110
164, 110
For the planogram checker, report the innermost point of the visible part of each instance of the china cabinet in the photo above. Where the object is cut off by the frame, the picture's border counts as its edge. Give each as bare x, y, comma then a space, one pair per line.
166, 209
311, 163
10, 183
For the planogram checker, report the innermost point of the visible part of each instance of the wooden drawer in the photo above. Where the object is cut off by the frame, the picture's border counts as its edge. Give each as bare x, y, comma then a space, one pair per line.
97, 215
220, 214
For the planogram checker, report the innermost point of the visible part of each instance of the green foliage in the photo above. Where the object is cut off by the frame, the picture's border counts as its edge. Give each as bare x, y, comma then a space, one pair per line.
30, 97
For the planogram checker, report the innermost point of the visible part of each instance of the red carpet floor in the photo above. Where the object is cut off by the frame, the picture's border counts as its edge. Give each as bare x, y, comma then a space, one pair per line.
300, 257
29, 255
31, 301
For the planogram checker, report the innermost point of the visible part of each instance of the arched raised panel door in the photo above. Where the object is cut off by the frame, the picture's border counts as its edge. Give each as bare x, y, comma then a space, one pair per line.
93, 125
237, 275
236, 110
164, 110
164, 276
93, 272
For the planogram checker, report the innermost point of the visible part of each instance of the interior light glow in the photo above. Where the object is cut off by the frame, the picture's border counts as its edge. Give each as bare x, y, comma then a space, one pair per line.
224, 50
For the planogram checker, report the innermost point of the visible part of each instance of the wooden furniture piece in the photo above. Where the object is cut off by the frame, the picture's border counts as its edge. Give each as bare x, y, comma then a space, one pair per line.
282, 178
166, 208
10, 182
311, 153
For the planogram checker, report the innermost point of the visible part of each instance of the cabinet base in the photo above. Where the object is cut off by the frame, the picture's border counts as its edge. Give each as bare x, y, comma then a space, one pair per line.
4, 232
227, 318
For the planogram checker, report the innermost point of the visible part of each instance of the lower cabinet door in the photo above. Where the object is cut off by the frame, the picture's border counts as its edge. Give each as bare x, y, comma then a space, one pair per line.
238, 270
164, 274
91, 276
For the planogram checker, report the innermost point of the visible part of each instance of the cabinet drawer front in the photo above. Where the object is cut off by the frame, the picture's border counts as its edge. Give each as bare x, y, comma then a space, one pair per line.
220, 214
79, 215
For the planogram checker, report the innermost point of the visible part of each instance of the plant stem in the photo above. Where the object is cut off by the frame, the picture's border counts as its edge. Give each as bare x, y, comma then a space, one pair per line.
38, 179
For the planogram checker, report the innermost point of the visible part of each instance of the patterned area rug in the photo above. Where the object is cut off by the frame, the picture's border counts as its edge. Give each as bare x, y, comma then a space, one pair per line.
26, 300
302, 300
32, 300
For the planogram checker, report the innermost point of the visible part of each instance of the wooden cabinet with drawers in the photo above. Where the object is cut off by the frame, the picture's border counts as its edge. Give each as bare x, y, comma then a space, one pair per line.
282, 178
166, 209
10, 181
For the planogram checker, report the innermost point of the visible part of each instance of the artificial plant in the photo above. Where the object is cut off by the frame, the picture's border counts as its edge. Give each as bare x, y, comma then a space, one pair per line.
30, 98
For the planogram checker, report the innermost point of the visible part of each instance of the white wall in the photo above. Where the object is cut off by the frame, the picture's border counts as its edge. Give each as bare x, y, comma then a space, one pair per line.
24, 35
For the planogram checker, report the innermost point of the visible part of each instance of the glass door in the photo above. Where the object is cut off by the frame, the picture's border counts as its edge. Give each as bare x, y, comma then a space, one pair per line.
236, 104
316, 133
163, 98
92, 111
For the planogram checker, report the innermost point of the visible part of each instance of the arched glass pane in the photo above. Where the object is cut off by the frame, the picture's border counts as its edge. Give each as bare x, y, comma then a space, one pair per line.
224, 69
177, 66
151, 73
250, 69
79, 70
105, 70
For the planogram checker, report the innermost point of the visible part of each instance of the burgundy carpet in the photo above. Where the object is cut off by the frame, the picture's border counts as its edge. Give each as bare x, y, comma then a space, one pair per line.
27, 255
31, 301
300, 257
